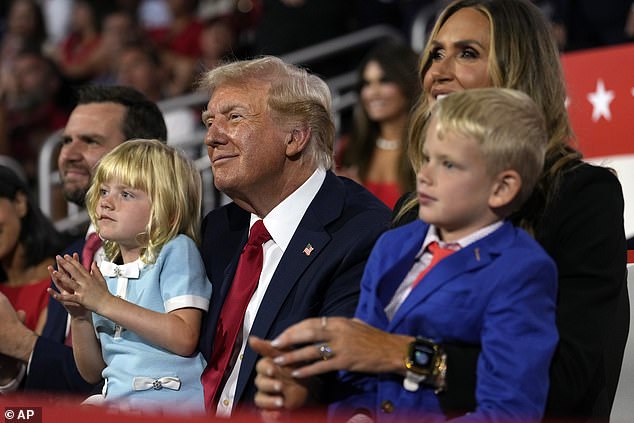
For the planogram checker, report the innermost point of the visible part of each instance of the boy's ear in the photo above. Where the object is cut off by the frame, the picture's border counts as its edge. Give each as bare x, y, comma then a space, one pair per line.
297, 140
506, 186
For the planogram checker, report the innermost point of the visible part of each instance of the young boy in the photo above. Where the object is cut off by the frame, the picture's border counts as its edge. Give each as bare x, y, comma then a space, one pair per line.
495, 287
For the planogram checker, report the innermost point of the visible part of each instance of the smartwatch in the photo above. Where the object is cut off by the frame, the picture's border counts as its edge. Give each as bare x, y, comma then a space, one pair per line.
426, 363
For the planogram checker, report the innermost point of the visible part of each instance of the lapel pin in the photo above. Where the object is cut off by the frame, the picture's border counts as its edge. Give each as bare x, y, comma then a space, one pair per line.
477, 253
308, 249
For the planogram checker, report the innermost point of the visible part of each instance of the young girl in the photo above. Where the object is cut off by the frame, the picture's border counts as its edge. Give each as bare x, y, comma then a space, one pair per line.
145, 203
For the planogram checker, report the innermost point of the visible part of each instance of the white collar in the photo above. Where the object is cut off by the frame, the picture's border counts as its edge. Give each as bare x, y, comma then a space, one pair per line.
432, 235
283, 220
128, 270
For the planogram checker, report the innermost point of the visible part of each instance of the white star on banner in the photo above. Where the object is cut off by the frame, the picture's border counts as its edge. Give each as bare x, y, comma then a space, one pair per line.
601, 100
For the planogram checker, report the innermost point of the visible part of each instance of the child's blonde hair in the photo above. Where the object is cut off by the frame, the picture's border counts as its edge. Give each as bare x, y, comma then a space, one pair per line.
171, 182
506, 123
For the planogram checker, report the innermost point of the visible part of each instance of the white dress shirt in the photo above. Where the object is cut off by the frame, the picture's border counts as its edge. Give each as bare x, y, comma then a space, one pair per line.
281, 222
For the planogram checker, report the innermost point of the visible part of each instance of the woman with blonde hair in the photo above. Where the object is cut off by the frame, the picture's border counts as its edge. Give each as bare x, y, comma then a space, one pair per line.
508, 43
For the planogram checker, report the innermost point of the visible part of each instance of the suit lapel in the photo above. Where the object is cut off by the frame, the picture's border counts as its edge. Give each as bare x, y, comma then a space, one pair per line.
398, 258
468, 259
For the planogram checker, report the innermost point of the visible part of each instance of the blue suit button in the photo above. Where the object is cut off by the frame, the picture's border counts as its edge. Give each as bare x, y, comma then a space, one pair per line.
387, 406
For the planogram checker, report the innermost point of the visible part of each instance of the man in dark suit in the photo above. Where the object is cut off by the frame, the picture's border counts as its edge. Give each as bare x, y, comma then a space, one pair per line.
103, 118
270, 141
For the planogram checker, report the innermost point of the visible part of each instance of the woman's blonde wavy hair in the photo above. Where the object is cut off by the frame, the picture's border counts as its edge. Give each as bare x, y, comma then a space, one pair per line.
171, 182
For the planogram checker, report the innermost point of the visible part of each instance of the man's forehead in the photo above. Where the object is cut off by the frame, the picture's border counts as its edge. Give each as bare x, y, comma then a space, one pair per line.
96, 119
230, 95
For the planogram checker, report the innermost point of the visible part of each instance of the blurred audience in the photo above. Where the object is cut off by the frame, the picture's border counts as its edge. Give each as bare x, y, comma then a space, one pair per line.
79, 55
582, 24
119, 28
24, 27
37, 102
375, 153
217, 41
140, 66
57, 14
179, 44
85, 37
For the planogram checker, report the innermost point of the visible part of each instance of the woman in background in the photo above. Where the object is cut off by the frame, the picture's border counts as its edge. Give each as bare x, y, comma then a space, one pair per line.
375, 153
28, 244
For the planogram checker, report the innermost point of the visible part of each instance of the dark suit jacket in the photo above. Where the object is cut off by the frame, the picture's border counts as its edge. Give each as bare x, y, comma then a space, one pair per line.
342, 223
582, 230
53, 367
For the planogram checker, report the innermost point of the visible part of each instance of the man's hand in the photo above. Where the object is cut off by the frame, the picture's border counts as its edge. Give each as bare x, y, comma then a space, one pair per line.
16, 340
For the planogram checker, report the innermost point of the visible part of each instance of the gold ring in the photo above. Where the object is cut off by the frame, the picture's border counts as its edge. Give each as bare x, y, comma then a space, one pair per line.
325, 352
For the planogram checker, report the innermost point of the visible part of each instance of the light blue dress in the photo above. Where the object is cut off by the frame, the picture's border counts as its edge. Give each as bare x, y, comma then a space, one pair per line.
139, 375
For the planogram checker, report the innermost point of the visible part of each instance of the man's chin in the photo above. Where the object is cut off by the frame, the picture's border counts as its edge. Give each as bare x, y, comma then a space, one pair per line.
75, 195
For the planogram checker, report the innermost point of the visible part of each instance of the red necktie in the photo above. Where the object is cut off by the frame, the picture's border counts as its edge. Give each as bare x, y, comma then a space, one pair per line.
232, 313
437, 253
90, 248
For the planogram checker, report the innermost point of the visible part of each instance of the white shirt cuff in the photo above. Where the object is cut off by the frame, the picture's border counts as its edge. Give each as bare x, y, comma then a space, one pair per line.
15, 383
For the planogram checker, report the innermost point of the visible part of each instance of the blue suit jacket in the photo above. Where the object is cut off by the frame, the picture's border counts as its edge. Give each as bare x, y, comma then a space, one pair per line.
498, 292
342, 223
53, 367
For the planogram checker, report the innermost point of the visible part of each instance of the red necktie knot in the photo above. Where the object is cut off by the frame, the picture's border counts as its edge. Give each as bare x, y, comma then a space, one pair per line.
437, 253
259, 235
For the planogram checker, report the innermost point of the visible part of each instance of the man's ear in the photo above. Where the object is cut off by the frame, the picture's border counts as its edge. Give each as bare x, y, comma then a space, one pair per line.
506, 186
297, 140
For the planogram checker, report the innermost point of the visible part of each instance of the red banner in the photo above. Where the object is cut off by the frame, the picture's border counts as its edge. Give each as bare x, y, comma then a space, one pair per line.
601, 99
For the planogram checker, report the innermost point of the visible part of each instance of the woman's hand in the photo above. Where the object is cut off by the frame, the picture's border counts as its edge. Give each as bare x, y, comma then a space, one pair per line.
337, 343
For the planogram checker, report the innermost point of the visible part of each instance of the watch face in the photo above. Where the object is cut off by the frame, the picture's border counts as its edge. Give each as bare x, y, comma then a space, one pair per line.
422, 356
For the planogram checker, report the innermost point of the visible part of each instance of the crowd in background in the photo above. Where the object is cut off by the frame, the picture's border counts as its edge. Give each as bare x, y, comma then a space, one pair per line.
271, 146
160, 47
